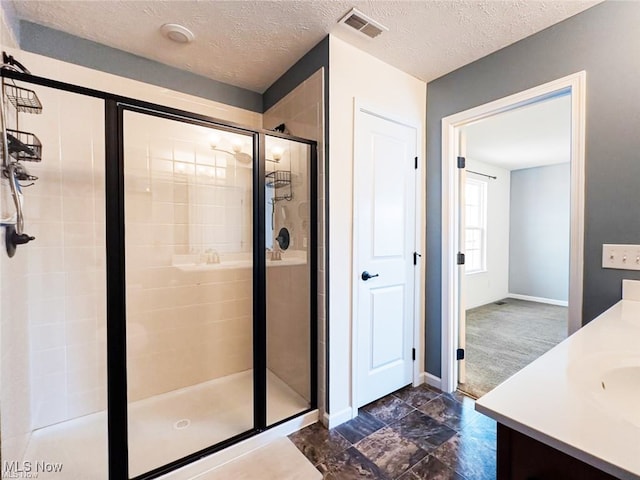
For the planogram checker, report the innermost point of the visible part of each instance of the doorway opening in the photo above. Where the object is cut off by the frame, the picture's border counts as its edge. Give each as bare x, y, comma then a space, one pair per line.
516, 239
513, 173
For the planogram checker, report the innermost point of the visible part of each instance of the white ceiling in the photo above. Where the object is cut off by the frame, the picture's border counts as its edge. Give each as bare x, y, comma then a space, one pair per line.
530, 136
250, 43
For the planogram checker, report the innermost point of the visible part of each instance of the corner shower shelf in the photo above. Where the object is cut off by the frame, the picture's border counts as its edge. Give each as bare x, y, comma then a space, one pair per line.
24, 146
280, 180
23, 99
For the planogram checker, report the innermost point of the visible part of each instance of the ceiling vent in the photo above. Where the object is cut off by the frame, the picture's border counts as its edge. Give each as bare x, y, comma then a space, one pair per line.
363, 24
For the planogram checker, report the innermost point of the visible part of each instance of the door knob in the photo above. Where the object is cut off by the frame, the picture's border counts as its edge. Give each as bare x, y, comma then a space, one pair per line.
366, 275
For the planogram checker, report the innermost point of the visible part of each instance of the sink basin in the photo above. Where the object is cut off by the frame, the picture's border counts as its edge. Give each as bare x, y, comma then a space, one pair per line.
621, 390
612, 381
193, 262
185, 259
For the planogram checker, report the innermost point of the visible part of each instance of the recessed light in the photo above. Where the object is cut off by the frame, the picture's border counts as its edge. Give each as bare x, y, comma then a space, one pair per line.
177, 33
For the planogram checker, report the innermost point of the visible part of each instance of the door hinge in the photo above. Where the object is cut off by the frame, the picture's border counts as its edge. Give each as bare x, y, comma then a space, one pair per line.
415, 257
460, 258
416, 165
460, 354
413, 354
461, 162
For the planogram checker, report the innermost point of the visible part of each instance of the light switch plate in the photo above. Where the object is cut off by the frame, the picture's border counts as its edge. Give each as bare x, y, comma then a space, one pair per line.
621, 257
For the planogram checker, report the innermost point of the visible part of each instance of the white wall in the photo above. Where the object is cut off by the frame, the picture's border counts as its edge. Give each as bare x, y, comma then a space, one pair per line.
355, 75
492, 285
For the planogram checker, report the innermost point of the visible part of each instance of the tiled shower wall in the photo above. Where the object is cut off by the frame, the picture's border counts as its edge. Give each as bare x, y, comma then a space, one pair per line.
302, 111
186, 324
62, 301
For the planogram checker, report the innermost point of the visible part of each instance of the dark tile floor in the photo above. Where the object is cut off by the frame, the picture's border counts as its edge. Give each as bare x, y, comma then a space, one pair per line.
413, 434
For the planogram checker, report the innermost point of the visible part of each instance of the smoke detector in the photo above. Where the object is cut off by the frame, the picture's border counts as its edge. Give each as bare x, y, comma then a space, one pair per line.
177, 33
360, 22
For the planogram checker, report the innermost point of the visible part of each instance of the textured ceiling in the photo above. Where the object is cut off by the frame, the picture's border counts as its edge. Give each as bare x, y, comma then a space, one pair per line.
531, 136
251, 43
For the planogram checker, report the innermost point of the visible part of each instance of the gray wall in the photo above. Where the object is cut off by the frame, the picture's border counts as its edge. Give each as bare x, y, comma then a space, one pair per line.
539, 232
603, 41
312, 61
69, 48
11, 19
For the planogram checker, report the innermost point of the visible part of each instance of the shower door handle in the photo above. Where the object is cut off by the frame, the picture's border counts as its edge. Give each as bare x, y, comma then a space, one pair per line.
366, 275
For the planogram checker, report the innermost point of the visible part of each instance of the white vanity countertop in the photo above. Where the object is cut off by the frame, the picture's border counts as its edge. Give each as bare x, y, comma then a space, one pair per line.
583, 396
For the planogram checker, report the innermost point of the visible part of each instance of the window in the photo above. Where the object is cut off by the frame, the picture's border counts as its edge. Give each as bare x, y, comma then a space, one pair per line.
475, 226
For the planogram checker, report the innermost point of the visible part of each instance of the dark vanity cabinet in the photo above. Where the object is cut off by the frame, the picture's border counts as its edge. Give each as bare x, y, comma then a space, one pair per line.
522, 458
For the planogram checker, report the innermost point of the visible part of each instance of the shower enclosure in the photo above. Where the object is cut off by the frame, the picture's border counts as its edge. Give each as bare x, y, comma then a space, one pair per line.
166, 308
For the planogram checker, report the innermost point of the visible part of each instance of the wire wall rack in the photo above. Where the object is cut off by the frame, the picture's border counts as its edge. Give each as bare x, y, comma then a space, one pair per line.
280, 180
24, 146
23, 99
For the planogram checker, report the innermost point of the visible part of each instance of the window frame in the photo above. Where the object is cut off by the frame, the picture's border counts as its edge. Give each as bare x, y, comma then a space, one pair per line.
481, 227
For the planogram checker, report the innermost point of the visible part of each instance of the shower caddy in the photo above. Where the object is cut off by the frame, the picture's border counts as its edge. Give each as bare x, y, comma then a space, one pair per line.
17, 147
280, 182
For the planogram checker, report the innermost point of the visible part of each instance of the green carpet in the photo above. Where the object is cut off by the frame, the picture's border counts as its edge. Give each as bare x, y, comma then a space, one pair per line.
502, 339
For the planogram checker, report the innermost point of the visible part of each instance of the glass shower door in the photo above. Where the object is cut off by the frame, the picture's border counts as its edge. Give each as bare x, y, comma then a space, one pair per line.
288, 240
189, 287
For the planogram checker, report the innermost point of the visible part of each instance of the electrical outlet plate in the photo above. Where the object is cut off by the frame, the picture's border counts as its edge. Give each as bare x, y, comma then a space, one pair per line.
621, 257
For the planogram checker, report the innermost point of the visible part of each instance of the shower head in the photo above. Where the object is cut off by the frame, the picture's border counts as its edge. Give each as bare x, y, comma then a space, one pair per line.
11, 63
20, 173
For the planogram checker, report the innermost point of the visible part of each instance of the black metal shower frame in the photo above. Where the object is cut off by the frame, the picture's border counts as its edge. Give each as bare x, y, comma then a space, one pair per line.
117, 404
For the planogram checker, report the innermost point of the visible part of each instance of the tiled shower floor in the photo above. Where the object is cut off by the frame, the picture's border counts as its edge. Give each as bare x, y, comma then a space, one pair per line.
208, 413
413, 434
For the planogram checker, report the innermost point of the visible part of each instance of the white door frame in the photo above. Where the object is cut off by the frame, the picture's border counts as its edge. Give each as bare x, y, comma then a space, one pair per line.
360, 108
575, 84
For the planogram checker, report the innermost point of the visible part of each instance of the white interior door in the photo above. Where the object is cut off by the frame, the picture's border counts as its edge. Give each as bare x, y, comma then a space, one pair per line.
384, 245
462, 309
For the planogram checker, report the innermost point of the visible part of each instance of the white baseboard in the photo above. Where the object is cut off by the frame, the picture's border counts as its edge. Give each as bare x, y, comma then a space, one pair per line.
549, 301
432, 380
332, 420
201, 467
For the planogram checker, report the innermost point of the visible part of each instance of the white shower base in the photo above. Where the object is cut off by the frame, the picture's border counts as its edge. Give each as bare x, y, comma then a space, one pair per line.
208, 413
